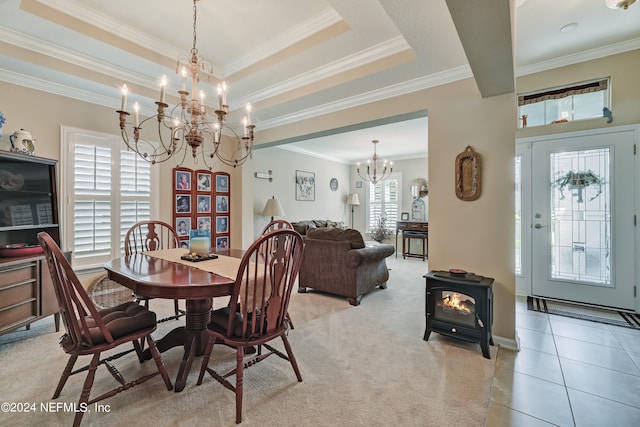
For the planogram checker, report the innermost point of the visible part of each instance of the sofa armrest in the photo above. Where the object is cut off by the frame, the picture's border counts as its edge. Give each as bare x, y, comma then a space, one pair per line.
369, 254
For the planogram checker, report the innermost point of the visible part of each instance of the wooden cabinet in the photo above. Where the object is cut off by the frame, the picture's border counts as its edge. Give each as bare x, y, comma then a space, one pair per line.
28, 205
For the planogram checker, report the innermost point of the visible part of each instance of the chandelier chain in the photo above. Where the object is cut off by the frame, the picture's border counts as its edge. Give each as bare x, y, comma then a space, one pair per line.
194, 49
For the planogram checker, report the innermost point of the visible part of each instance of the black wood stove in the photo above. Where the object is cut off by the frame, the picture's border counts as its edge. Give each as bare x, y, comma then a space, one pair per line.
460, 305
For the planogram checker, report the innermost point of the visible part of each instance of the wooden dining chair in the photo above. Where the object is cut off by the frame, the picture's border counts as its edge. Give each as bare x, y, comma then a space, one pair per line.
90, 331
258, 307
279, 224
152, 236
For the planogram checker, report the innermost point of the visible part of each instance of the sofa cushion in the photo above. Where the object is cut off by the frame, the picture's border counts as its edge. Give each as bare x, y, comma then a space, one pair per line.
328, 233
320, 222
303, 227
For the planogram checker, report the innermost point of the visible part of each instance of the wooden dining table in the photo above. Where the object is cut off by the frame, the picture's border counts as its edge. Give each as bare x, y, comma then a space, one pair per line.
161, 274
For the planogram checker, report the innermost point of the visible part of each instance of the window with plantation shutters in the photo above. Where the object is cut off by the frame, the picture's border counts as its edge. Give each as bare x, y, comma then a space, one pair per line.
384, 201
106, 190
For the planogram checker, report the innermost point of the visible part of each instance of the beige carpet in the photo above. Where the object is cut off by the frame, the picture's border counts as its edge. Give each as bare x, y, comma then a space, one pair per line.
362, 366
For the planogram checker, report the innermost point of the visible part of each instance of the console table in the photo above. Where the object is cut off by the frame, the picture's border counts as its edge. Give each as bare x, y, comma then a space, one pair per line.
417, 226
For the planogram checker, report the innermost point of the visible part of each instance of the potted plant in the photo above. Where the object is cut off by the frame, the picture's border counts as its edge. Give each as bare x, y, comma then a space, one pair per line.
381, 231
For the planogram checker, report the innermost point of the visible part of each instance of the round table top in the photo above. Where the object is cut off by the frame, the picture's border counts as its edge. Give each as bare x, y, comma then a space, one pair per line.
158, 278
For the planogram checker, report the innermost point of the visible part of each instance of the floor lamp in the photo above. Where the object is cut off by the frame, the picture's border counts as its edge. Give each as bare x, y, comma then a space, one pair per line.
352, 200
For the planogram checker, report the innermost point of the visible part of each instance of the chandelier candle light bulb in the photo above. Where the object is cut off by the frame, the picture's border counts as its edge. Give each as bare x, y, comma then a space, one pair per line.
124, 90
183, 85
136, 111
163, 85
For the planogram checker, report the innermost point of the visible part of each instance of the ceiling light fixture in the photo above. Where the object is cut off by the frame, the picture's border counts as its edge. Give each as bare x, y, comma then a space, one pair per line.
376, 171
568, 28
619, 4
188, 124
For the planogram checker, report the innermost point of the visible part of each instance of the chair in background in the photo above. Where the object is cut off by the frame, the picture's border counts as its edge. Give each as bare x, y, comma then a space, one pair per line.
90, 331
257, 311
152, 236
277, 224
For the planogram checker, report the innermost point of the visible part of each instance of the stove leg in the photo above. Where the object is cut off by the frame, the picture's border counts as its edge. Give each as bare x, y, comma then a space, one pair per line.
484, 345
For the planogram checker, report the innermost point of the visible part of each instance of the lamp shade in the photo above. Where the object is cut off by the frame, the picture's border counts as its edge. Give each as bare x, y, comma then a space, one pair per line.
352, 200
272, 208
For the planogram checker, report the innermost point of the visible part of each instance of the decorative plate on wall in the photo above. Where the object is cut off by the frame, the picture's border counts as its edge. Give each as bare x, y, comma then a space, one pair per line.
333, 184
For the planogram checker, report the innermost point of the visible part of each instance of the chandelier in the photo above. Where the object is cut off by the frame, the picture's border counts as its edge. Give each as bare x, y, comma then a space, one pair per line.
189, 123
376, 170
619, 4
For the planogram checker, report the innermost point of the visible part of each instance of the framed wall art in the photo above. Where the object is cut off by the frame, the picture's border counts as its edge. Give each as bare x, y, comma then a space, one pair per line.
183, 180
222, 184
305, 186
204, 182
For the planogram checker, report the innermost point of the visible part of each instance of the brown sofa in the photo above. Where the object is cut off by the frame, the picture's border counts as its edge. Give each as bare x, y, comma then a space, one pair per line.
337, 261
303, 227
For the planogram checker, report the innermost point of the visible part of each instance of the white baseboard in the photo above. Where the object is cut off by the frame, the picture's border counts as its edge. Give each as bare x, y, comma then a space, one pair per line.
508, 343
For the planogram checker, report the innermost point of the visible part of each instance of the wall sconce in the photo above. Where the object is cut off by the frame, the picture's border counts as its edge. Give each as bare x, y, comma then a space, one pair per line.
263, 175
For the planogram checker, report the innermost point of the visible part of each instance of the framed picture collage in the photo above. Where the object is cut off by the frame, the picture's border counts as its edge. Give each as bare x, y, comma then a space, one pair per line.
201, 206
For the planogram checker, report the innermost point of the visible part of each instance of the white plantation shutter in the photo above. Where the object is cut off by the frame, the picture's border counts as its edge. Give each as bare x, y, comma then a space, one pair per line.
135, 190
92, 207
384, 200
107, 190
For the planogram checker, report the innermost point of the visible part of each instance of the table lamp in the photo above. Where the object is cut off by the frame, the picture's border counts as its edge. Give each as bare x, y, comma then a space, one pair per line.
272, 208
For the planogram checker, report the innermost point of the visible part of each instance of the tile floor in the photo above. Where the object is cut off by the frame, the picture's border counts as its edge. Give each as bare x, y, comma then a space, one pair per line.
568, 372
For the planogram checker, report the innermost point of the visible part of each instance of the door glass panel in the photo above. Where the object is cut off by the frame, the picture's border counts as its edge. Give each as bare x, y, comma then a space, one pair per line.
518, 196
580, 222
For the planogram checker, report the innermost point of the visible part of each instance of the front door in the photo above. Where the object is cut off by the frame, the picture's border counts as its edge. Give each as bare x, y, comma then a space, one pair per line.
582, 214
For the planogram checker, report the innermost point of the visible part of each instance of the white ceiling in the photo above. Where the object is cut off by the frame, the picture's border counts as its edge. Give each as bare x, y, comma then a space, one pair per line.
296, 59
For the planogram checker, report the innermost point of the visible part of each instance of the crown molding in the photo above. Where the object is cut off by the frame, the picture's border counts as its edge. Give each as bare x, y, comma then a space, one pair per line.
391, 91
48, 86
46, 48
291, 147
587, 55
366, 56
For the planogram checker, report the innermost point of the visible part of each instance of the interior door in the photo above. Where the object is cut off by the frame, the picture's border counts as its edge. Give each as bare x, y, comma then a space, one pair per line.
583, 219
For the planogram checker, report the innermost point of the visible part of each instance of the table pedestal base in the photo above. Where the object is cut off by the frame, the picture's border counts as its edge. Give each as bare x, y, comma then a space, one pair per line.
192, 336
